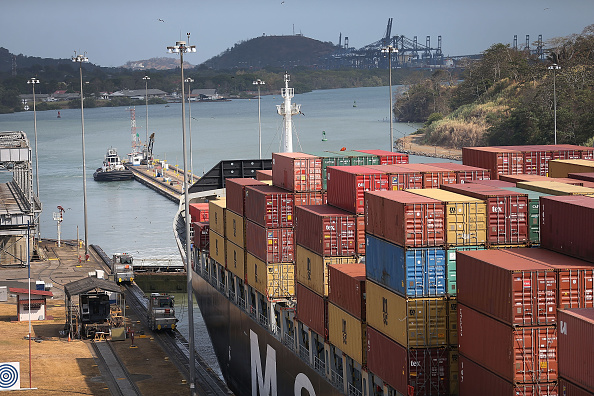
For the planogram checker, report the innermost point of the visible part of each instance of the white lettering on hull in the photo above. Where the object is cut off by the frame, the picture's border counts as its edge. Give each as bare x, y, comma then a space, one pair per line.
264, 382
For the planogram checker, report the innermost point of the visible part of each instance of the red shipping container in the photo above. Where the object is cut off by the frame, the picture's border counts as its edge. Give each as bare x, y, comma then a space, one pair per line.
535, 157
387, 157
477, 380
464, 173
271, 245
570, 151
421, 371
346, 288
198, 211
575, 278
587, 176
201, 232
327, 231
400, 177
269, 206
433, 177
514, 290
499, 161
507, 211
360, 230
566, 225
405, 219
297, 171
236, 193
310, 198
518, 354
576, 346
568, 388
495, 183
347, 185
264, 174
312, 310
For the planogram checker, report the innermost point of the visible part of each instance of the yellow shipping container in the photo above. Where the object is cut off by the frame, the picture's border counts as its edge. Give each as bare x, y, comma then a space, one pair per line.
235, 228
347, 333
562, 168
274, 280
452, 304
236, 260
412, 322
555, 188
217, 249
465, 217
312, 269
216, 215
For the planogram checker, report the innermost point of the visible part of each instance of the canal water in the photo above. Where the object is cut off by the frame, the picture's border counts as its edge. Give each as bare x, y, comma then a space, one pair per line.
128, 217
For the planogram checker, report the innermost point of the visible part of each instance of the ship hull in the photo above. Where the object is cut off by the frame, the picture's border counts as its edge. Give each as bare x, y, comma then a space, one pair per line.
115, 175
235, 337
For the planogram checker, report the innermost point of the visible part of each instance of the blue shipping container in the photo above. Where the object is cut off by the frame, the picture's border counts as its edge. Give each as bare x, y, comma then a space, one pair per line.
412, 272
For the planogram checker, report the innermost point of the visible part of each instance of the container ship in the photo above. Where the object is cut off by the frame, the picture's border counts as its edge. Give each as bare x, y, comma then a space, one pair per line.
357, 273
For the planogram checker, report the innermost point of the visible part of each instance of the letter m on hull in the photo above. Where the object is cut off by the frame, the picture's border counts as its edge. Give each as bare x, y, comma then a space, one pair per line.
264, 381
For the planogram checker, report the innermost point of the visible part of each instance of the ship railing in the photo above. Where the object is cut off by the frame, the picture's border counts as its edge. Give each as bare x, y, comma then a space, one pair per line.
320, 365
289, 341
263, 320
336, 379
353, 391
252, 311
241, 303
222, 286
231, 295
304, 353
275, 330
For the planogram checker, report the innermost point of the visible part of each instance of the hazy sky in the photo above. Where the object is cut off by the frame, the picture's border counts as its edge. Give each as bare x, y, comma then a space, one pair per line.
114, 32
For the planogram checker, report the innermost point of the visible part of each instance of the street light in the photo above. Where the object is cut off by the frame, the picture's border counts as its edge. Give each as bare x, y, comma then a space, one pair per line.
389, 50
80, 59
554, 67
34, 81
180, 48
189, 81
146, 78
259, 83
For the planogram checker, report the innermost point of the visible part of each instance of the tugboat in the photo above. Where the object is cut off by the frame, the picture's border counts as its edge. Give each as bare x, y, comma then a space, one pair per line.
112, 168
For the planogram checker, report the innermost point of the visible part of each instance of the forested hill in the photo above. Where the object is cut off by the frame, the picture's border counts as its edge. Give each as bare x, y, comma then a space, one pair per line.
273, 51
508, 98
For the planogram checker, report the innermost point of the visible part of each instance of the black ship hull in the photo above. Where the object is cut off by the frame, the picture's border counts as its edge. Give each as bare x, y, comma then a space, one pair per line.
274, 370
115, 175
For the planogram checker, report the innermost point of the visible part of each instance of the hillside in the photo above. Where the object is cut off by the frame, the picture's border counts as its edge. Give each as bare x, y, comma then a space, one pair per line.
272, 51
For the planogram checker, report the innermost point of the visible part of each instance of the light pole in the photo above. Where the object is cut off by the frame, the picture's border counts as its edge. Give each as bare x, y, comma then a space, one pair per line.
554, 67
146, 78
80, 59
189, 81
34, 81
389, 50
259, 83
180, 48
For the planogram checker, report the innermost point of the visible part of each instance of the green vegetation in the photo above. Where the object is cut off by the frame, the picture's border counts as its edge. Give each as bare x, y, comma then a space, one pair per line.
507, 98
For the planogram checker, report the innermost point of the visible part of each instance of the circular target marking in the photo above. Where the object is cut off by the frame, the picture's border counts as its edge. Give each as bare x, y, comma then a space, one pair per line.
8, 376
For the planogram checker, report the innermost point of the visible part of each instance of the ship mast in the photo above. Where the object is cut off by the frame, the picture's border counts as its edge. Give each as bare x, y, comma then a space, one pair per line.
288, 109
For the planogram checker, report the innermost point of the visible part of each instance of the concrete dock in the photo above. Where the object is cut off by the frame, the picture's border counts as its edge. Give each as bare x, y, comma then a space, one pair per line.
169, 183
60, 365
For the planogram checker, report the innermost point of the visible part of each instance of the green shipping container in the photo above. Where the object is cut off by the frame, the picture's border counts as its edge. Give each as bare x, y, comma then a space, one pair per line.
330, 159
533, 212
451, 267
359, 158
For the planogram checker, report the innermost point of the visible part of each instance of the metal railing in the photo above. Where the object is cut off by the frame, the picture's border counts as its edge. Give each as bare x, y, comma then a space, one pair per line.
289, 341
336, 379
222, 286
241, 303
263, 320
353, 391
252, 311
304, 353
275, 330
319, 365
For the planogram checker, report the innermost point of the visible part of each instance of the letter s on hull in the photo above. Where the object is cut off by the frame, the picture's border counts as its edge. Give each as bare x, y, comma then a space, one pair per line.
302, 382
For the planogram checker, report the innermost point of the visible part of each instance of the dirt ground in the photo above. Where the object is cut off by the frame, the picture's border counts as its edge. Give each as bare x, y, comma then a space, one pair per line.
411, 145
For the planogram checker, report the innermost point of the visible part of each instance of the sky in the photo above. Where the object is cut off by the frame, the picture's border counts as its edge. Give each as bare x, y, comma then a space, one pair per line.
112, 32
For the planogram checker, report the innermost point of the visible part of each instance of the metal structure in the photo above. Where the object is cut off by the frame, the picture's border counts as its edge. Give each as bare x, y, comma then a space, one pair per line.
287, 110
19, 205
146, 78
259, 83
390, 50
190, 81
411, 53
554, 67
180, 48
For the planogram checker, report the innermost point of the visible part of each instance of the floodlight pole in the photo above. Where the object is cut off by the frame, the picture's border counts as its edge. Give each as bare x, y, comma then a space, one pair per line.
554, 67
37, 222
259, 83
389, 50
182, 47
